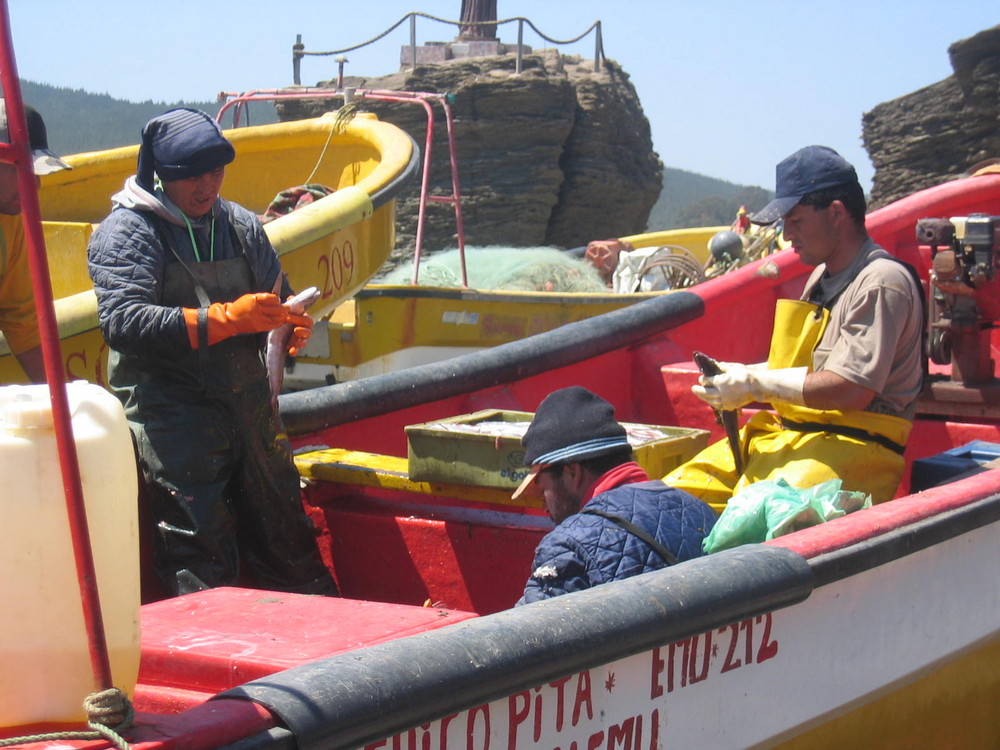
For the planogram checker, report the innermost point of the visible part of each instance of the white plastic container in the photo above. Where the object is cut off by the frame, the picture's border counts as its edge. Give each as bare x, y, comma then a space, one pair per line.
45, 668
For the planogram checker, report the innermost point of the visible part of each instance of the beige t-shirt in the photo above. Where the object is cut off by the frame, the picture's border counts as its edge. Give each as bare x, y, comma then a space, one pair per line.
875, 334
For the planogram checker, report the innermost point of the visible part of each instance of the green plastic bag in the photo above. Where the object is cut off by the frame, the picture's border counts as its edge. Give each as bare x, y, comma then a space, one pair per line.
765, 510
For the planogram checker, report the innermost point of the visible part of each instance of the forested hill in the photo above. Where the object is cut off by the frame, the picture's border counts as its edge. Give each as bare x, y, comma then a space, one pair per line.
693, 200
79, 121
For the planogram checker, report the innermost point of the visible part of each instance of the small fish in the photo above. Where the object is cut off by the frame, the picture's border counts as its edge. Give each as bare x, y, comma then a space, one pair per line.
277, 341
728, 418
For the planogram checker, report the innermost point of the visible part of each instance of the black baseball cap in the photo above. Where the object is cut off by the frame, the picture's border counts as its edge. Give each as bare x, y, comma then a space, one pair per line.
43, 160
572, 424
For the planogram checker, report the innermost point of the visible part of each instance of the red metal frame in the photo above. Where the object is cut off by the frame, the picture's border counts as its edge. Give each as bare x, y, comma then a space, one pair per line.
18, 153
238, 101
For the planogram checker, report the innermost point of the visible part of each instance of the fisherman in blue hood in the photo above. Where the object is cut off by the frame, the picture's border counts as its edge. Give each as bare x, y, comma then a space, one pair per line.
188, 286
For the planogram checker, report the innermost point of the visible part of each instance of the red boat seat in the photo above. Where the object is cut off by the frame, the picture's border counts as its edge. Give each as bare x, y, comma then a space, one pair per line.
196, 645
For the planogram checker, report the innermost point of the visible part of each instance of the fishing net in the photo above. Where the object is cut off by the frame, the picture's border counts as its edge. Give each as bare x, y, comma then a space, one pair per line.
526, 269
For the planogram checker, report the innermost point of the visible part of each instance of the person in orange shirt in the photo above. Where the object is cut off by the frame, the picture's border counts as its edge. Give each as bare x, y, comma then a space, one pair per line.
18, 319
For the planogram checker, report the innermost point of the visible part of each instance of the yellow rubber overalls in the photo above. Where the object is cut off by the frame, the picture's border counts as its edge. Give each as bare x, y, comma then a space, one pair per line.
803, 446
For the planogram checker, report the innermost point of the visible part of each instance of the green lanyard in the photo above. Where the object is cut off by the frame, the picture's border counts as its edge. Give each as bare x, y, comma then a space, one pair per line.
194, 244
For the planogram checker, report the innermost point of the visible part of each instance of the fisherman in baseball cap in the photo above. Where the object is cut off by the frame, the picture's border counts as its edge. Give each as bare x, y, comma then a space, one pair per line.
18, 318
807, 170
44, 160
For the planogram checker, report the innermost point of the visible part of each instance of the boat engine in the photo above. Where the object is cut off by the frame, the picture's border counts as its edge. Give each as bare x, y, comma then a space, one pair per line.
964, 302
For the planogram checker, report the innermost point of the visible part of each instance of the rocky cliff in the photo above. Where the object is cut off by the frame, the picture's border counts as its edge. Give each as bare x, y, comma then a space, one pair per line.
556, 155
942, 131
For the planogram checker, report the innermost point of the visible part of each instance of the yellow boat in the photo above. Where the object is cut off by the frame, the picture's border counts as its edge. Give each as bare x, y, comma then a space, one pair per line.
388, 327
336, 243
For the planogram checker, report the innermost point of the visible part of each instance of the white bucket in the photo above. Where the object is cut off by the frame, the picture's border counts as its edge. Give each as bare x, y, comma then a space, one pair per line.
45, 667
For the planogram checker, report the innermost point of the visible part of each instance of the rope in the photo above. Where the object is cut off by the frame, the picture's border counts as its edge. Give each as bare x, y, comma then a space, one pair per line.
344, 116
679, 269
109, 712
459, 24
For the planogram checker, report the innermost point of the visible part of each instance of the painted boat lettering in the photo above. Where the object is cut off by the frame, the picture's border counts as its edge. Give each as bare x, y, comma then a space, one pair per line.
337, 269
620, 706
502, 326
84, 364
514, 475
531, 717
694, 659
542, 323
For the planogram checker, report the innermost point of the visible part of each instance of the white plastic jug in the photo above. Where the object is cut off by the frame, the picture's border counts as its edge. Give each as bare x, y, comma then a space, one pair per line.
45, 668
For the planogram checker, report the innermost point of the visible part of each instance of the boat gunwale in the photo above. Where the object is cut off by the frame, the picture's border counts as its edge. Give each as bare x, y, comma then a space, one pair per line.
328, 406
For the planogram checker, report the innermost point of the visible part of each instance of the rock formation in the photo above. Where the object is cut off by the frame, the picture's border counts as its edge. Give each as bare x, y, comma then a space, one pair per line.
556, 155
942, 131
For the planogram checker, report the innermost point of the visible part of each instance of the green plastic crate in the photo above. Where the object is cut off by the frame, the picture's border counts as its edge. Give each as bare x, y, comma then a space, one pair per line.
437, 454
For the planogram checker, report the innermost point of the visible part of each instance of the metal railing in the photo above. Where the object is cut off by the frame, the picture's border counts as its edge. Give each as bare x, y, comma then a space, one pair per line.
237, 102
299, 50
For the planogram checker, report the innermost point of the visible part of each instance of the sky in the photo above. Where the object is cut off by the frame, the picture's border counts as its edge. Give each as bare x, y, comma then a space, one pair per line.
729, 88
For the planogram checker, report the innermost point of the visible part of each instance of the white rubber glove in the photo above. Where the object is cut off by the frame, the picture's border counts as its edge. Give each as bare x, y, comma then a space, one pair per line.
744, 385
731, 366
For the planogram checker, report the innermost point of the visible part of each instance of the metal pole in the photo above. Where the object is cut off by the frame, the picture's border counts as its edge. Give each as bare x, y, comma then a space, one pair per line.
413, 42
520, 38
455, 190
18, 153
424, 185
297, 50
599, 45
340, 70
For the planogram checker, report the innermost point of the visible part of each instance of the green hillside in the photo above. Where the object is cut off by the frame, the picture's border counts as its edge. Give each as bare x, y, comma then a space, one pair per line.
78, 121
694, 200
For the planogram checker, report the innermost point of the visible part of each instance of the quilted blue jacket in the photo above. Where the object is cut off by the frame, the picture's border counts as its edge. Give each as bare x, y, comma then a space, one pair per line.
587, 550
127, 263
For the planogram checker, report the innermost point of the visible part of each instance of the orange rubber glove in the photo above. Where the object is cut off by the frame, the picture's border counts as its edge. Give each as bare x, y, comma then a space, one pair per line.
300, 333
251, 313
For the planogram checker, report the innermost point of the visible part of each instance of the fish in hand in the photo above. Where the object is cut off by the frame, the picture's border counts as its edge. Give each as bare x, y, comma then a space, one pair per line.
277, 341
728, 418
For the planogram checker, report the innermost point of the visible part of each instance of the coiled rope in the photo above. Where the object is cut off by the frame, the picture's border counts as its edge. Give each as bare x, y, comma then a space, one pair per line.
109, 713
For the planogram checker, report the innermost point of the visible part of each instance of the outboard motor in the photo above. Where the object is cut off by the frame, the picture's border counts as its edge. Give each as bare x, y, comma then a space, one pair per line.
965, 293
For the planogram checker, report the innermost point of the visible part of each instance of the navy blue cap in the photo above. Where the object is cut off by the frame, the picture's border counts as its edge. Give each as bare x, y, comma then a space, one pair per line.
807, 170
181, 143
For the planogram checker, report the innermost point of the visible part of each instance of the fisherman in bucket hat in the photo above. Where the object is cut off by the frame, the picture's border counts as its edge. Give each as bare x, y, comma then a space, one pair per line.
613, 522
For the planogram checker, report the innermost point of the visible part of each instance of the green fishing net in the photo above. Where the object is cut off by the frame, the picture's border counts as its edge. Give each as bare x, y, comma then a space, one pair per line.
526, 269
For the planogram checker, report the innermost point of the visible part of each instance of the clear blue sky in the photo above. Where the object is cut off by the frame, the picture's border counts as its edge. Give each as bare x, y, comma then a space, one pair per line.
729, 88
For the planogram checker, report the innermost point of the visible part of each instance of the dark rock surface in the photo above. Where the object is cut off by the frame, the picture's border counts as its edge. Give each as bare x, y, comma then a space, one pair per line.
942, 131
556, 155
